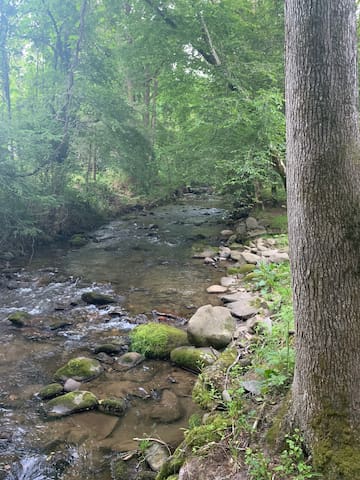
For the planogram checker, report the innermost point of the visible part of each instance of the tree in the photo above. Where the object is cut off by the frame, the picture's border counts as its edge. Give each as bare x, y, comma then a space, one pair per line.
324, 228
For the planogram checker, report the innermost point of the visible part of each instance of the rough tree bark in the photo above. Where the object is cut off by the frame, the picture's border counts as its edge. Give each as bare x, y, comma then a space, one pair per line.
324, 228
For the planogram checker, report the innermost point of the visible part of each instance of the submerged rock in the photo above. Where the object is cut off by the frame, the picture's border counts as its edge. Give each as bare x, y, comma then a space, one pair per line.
97, 298
168, 410
81, 369
129, 360
211, 327
156, 340
113, 406
69, 403
193, 358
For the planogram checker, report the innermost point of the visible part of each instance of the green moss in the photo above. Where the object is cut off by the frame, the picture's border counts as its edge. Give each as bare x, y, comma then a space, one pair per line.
51, 391
81, 369
193, 358
78, 240
156, 340
172, 466
210, 383
242, 269
275, 435
212, 431
336, 451
19, 318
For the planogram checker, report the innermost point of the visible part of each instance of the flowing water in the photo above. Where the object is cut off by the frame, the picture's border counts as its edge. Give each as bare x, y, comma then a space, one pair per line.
144, 261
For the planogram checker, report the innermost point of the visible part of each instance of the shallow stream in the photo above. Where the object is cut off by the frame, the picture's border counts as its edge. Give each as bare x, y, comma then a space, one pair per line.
145, 261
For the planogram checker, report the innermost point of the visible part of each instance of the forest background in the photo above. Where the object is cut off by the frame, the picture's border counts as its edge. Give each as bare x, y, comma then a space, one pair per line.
105, 103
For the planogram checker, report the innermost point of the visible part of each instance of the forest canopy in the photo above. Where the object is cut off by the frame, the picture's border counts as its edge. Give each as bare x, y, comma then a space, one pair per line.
103, 100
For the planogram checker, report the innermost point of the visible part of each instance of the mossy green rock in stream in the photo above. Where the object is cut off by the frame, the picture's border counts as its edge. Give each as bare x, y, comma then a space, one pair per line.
156, 340
51, 391
81, 369
96, 298
241, 269
69, 403
193, 358
113, 406
19, 318
78, 240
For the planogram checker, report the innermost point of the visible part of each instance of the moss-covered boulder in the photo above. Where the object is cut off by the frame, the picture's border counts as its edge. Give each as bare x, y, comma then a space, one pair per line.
156, 340
81, 369
211, 327
19, 318
97, 298
78, 240
241, 269
113, 406
51, 391
193, 358
69, 403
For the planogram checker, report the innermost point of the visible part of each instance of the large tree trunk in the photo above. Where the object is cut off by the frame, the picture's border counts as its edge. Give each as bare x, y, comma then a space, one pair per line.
324, 228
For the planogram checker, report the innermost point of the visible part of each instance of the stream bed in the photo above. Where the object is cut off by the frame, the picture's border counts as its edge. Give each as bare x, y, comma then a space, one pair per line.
144, 260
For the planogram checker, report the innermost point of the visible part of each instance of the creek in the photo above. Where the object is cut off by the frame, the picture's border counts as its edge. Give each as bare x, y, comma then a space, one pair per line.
144, 260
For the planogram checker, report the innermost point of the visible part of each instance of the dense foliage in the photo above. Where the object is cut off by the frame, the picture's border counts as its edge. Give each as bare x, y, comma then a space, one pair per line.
102, 100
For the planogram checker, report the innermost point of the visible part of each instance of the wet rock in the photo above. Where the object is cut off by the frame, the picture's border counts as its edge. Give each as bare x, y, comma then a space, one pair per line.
20, 318
216, 289
57, 323
211, 327
156, 456
156, 340
81, 369
105, 358
193, 358
113, 406
168, 410
129, 360
69, 403
51, 391
71, 385
97, 298
109, 348
119, 470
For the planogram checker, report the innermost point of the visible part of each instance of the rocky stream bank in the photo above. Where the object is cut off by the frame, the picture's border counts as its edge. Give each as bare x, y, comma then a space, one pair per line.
107, 370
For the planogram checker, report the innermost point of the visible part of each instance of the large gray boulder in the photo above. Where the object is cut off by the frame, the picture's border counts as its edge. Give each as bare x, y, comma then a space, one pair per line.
211, 327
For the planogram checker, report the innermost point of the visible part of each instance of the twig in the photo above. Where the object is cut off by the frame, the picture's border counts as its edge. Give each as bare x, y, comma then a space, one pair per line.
152, 439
